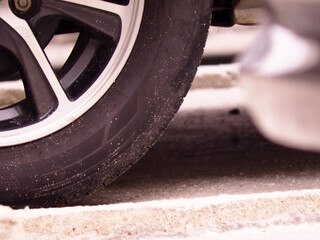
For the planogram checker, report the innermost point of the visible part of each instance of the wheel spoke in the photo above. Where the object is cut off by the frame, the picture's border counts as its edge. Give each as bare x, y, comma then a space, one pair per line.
55, 100
103, 6
101, 16
41, 84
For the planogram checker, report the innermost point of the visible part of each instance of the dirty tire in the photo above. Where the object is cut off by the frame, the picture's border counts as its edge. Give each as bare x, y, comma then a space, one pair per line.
118, 130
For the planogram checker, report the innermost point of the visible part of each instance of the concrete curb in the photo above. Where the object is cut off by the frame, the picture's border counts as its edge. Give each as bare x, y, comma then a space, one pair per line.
172, 219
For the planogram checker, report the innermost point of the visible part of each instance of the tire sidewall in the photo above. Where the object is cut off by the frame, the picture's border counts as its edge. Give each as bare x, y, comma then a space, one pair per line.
125, 122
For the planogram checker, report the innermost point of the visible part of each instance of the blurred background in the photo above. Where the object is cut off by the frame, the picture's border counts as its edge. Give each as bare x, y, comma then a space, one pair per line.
223, 45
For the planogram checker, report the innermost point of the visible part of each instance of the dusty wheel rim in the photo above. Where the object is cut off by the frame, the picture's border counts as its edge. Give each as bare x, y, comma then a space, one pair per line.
54, 99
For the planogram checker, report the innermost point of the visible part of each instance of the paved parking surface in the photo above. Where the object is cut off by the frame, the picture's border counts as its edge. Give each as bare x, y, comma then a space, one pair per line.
210, 176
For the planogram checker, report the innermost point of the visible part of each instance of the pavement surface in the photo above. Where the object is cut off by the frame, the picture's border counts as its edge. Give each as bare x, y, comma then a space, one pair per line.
210, 176
212, 148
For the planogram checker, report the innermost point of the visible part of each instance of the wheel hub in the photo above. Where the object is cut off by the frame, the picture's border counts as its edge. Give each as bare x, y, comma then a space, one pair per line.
24, 8
22, 5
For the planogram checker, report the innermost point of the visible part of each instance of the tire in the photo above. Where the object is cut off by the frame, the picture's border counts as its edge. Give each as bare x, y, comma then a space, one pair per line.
46, 163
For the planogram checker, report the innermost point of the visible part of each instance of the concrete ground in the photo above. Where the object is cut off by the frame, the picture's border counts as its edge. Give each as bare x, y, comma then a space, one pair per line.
210, 176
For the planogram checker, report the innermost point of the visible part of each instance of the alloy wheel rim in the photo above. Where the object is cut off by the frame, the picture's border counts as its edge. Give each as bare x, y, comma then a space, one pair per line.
54, 98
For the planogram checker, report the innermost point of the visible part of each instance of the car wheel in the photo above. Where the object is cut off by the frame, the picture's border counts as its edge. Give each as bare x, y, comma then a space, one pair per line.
86, 121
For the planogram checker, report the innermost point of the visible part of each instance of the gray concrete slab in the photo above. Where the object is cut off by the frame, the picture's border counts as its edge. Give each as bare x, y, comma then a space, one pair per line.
210, 176
267, 216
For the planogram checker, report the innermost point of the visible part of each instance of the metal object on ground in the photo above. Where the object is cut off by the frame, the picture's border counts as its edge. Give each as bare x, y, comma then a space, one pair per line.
226, 13
281, 74
248, 12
